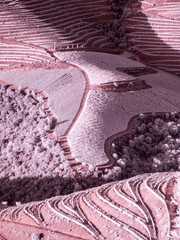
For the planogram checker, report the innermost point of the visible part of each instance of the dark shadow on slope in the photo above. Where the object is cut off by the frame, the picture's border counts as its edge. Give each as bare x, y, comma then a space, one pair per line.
116, 28
124, 11
79, 13
36, 189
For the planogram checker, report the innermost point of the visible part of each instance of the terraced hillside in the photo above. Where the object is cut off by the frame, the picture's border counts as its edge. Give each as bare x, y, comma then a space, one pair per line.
153, 33
121, 210
16, 54
52, 24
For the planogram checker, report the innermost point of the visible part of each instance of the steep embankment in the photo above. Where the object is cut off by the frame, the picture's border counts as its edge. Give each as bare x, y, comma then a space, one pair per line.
52, 24
121, 210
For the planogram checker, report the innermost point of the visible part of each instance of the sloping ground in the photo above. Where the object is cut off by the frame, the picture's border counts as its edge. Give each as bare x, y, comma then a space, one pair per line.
16, 55
58, 84
105, 113
101, 68
153, 33
121, 210
45, 23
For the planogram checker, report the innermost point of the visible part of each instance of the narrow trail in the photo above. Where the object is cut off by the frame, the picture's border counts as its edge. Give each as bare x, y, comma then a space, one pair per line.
111, 87
10, 37
118, 87
56, 63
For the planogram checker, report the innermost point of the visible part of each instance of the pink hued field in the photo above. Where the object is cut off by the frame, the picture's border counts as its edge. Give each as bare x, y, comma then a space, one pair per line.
89, 120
